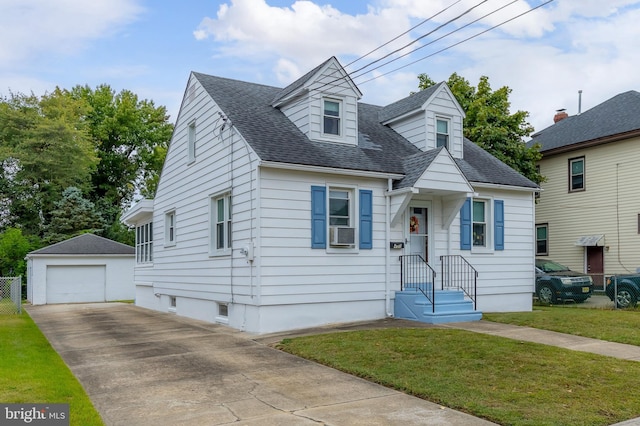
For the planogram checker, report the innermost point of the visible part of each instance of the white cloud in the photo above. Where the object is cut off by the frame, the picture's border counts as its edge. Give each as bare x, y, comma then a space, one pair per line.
544, 56
32, 27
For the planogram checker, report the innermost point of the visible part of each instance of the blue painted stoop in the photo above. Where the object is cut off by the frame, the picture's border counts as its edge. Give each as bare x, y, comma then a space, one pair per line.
451, 306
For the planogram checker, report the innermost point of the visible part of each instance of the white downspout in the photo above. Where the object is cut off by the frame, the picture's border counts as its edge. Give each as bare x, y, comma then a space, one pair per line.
387, 249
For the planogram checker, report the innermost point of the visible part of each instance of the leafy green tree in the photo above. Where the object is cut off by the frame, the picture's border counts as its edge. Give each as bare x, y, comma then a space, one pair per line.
132, 137
73, 215
44, 148
490, 124
13, 248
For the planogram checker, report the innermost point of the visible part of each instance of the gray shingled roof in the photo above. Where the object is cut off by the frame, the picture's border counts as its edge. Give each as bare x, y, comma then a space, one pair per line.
380, 149
297, 84
408, 104
617, 115
87, 244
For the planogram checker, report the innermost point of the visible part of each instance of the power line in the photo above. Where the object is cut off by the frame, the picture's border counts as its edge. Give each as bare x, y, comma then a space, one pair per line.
331, 83
404, 33
458, 43
420, 38
438, 39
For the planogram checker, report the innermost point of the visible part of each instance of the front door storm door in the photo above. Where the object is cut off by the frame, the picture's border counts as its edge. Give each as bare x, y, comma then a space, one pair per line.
418, 231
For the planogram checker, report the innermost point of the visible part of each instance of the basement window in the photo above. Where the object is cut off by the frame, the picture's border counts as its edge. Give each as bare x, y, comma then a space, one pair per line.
223, 310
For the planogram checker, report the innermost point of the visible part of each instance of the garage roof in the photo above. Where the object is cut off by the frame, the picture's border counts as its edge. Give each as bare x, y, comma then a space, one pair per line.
86, 244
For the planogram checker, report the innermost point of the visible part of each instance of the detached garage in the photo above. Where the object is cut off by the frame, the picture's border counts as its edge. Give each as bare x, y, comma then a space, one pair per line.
86, 268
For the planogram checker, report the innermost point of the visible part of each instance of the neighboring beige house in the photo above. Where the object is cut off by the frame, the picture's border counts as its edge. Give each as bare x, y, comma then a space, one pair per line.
588, 213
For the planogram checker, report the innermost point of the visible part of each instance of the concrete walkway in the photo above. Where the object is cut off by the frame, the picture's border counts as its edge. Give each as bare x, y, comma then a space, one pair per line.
142, 367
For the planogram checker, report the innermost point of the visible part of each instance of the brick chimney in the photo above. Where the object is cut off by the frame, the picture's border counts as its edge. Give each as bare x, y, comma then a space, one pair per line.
561, 114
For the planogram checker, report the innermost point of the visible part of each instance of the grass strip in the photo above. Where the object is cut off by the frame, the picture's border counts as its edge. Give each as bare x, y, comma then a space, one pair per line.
31, 371
503, 380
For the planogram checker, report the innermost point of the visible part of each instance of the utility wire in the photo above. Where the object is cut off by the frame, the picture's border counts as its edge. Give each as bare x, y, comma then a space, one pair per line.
435, 40
420, 38
404, 33
458, 43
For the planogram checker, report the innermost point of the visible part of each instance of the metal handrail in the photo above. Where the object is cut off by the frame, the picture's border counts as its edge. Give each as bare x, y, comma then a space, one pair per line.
417, 274
458, 273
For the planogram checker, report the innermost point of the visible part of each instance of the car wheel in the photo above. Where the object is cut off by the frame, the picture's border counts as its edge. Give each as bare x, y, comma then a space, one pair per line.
625, 298
546, 294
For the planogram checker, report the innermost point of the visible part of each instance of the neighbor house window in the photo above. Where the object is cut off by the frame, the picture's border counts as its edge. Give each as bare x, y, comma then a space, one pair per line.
221, 223
479, 223
542, 240
576, 174
331, 117
442, 132
192, 142
170, 228
144, 243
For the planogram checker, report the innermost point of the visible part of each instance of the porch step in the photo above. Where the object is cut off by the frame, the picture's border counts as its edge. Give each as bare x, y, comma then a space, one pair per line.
450, 306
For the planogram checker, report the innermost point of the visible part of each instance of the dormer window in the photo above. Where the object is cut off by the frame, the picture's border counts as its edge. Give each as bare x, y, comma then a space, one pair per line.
332, 112
442, 132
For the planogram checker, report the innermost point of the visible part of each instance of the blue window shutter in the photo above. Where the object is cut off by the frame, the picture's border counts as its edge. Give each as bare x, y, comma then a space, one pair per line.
498, 226
318, 217
366, 219
465, 225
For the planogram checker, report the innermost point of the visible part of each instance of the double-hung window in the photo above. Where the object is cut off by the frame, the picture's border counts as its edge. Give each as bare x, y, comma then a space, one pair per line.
442, 132
191, 140
341, 218
479, 223
482, 224
144, 243
339, 207
170, 228
542, 240
576, 174
332, 114
220, 240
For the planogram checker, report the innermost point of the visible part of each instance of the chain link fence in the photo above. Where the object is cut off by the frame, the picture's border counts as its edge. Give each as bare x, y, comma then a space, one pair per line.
10, 295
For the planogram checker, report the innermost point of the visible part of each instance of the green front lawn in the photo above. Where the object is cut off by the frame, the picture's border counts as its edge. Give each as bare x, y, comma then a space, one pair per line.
506, 381
32, 372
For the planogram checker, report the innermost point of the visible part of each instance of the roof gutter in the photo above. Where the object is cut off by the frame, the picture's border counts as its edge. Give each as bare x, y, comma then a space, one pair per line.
329, 170
504, 187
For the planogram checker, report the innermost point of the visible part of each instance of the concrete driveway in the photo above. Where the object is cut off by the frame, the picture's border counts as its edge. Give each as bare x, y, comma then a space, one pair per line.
142, 367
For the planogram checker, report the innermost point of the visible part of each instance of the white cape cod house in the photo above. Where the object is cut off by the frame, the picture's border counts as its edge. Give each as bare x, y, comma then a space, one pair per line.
280, 209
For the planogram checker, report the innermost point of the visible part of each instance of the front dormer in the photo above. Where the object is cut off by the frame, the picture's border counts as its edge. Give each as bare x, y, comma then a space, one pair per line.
323, 104
429, 119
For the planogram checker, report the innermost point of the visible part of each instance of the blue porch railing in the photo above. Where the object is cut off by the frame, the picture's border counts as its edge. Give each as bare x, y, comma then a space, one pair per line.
416, 273
456, 273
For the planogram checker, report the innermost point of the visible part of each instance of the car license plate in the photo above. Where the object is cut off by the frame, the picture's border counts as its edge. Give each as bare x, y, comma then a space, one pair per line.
585, 289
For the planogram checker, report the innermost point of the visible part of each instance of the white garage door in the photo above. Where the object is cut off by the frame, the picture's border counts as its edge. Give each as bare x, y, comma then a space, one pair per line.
76, 283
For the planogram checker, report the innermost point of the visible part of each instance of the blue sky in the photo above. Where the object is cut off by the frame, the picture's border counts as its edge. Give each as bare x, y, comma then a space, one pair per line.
150, 46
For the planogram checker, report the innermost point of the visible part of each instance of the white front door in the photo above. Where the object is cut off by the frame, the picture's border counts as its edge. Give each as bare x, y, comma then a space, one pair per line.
417, 230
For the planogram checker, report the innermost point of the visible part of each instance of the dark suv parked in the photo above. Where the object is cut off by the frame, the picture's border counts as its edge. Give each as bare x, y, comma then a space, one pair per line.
626, 288
555, 282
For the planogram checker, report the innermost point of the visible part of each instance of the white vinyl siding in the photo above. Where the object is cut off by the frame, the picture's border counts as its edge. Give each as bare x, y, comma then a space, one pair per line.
187, 270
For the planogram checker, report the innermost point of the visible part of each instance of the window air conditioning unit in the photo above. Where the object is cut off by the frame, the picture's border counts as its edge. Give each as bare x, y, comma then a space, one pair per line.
342, 236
